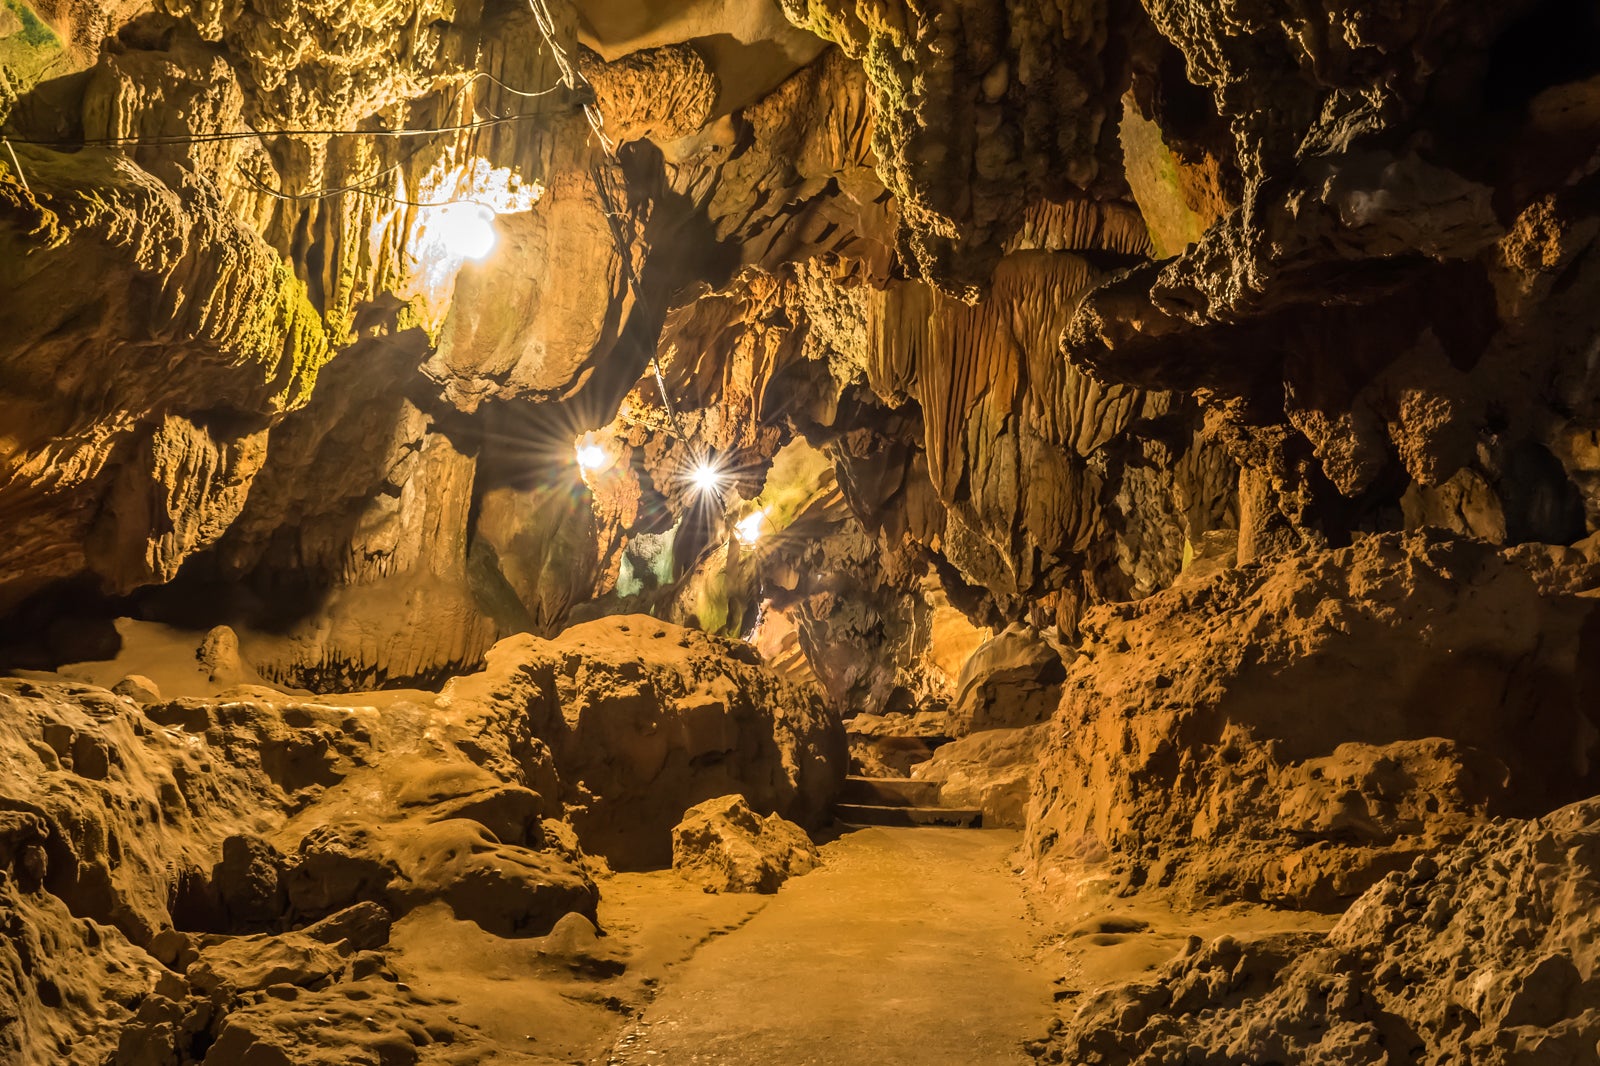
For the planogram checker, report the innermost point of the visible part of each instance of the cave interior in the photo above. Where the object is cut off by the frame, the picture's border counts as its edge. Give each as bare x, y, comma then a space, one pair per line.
799, 531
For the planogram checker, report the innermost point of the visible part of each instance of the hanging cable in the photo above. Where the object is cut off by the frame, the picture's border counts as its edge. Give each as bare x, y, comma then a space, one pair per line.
17, 166
573, 78
360, 187
363, 186
612, 217
220, 136
246, 135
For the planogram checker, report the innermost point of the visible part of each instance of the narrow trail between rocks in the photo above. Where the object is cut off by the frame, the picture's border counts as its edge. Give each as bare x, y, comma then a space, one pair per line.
909, 946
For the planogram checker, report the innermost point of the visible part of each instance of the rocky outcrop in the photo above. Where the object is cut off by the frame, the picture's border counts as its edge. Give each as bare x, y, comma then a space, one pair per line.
984, 109
151, 864
644, 720
1480, 954
726, 847
1011, 680
212, 872
1292, 731
1368, 269
991, 771
1188, 411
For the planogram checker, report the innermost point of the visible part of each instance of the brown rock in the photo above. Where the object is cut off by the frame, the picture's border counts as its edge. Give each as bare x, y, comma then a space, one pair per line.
1012, 680
576, 944
991, 771
1294, 730
725, 846
644, 717
219, 656
139, 689
1493, 930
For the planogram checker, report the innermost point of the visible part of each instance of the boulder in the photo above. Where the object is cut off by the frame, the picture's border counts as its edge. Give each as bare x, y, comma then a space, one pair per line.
725, 846
645, 718
139, 689
576, 944
219, 655
992, 771
1013, 679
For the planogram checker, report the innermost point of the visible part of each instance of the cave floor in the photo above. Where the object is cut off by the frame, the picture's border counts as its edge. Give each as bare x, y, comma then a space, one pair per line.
909, 946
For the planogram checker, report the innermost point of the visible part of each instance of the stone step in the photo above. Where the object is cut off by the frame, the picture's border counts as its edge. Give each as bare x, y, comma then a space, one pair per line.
890, 792
868, 814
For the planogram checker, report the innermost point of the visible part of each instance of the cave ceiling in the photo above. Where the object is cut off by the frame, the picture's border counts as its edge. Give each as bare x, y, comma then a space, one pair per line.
1040, 303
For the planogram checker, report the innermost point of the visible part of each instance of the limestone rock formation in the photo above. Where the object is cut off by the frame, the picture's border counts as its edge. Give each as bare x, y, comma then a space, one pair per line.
1294, 730
1173, 427
644, 720
725, 846
1483, 953
152, 866
992, 771
1010, 681
214, 871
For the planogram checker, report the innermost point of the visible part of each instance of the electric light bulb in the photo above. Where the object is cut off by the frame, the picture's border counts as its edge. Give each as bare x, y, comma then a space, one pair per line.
705, 478
748, 530
465, 230
591, 457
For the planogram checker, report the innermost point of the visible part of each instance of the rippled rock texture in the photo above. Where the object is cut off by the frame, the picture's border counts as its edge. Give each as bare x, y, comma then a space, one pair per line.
1484, 953
1186, 410
1292, 731
218, 873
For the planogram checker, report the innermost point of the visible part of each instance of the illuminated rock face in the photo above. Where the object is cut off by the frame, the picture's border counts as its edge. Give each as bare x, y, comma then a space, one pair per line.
1495, 933
225, 844
1293, 730
1203, 394
647, 719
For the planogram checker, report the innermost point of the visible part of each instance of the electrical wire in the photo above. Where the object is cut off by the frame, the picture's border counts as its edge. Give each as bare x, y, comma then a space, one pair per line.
245, 135
15, 165
484, 74
573, 78
359, 187
363, 186
612, 215
322, 194
254, 134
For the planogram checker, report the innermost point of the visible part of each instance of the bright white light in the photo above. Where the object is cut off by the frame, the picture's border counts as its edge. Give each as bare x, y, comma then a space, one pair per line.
750, 527
596, 453
464, 231
705, 478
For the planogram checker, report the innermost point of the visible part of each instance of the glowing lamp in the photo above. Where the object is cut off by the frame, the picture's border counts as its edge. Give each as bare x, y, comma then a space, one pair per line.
464, 231
591, 457
705, 478
749, 527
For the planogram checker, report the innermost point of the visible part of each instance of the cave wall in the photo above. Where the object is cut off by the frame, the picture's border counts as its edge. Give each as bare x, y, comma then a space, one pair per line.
1067, 308
1191, 407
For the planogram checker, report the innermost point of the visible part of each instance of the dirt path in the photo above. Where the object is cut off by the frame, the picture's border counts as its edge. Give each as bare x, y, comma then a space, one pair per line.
910, 946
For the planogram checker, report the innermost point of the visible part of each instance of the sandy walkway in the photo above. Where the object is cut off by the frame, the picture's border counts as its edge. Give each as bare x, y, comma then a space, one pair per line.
911, 946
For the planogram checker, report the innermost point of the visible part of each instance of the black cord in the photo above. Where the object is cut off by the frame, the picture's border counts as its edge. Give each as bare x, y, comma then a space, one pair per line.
612, 217
360, 187
245, 135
